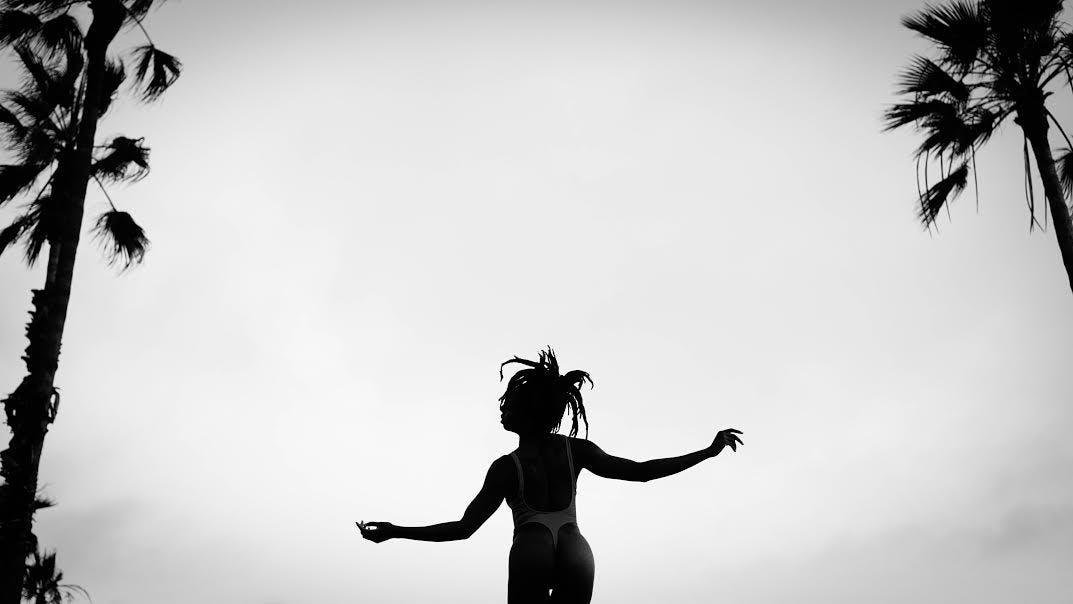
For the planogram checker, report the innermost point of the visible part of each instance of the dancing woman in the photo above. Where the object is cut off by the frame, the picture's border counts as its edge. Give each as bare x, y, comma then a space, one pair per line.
548, 552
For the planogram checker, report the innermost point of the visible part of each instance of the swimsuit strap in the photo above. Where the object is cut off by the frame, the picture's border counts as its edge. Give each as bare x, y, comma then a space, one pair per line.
569, 458
521, 476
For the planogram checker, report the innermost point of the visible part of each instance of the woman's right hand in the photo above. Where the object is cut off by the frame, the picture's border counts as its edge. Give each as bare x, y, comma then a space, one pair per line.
725, 438
376, 531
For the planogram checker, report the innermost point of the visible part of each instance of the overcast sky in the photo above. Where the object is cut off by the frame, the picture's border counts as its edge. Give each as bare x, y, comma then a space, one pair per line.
359, 209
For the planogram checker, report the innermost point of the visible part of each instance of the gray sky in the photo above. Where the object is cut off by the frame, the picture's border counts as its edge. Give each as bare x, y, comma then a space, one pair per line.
359, 209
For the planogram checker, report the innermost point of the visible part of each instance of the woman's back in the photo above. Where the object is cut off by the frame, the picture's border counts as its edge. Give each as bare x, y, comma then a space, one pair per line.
548, 476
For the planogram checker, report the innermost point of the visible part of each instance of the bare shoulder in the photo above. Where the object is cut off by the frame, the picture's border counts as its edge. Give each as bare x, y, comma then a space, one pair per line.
501, 466
501, 473
583, 450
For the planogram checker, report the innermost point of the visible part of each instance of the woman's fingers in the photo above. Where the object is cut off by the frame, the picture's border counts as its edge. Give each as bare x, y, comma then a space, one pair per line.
729, 438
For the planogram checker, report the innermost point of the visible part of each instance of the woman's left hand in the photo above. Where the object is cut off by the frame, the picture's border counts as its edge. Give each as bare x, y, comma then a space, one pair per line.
725, 438
376, 531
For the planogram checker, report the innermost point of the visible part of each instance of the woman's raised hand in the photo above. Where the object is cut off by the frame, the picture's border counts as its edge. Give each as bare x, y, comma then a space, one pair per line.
725, 438
376, 531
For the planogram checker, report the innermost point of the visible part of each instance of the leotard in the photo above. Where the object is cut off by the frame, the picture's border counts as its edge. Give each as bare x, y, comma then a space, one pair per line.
524, 514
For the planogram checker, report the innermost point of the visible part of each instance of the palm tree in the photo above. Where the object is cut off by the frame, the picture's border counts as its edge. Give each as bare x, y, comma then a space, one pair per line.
49, 125
997, 60
42, 582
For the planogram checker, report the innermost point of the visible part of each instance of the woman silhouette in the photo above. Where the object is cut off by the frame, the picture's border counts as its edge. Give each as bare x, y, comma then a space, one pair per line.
549, 552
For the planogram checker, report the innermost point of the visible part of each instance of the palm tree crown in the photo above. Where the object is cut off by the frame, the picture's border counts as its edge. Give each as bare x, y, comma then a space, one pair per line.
40, 121
996, 58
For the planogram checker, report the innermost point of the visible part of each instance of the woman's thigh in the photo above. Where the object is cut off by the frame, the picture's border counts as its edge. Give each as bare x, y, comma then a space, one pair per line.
574, 568
531, 565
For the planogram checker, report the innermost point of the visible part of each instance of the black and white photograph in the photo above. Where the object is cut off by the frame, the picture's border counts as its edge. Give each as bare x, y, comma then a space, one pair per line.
556, 302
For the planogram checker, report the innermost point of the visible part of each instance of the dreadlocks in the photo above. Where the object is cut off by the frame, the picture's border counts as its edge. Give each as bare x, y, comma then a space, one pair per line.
545, 394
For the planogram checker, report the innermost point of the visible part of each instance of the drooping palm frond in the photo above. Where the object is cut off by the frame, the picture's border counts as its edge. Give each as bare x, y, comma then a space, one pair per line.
40, 7
34, 228
155, 71
43, 581
44, 227
58, 35
41, 503
124, 241
919, 111
44, 82
16, 179
12, 233
1064, 164
41, 145
942, 193
125, 159
114, 75
956, 134
17, 26
27, 107
12, 127
138, 8
958, 28
926, 77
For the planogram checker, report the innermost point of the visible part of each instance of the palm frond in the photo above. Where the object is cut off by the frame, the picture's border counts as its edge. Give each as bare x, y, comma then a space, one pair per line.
39, 79
114, 75
57, 35
41, 503
43, 229
34, 228
156, 71
926, 77
980, 125
933, 200
919, 112
124, 241
1064, 163
43, 81
1024, 34
40, 7
43, 581
958, 28
17, 25
1030, 190
959, 133
138, 8
40, 146
15, 231
28, 107
126, 159
13, 128
17, 178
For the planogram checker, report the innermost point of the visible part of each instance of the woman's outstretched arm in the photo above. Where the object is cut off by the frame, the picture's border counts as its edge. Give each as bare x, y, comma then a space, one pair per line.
480, 509
608, 466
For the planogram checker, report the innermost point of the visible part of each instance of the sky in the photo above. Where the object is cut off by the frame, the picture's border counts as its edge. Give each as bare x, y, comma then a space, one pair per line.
358, 210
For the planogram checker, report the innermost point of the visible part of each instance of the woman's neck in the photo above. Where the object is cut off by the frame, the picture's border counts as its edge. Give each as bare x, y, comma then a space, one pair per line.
532, 441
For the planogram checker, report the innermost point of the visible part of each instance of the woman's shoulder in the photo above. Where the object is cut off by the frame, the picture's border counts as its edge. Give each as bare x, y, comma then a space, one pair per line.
580, 448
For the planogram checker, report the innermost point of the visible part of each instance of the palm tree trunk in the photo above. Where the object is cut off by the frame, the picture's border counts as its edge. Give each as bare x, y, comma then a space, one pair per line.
1034, 122
32, 406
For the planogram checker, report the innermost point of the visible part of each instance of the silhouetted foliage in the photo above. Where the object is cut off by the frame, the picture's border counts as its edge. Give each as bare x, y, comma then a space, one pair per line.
49, 126
996, 60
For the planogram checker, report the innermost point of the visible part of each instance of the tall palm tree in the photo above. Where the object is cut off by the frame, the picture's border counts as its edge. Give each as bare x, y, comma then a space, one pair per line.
50, 126
996, 60
43, 582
